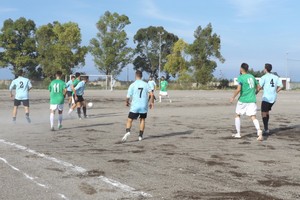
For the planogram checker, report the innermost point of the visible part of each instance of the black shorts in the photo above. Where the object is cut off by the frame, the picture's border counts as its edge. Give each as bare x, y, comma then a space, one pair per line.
132, 115
69, 93
19, 102
79, 98
266, 106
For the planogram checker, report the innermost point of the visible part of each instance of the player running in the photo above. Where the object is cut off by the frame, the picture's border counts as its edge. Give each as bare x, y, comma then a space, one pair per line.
271, 85
69, 90
164, 89
22, 86
138, 92
73, 85
247, 86
57, 90
152, 85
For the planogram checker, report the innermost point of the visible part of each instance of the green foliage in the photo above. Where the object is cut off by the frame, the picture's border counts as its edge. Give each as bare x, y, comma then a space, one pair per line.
109, 48
257, 74
59, 48
205, 47
176, 61
18, 44
148, 48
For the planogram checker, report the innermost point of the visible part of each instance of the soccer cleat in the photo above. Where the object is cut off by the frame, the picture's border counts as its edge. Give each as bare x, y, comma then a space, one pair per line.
266, 132
125, 137
59, 126
70, 111
140, 138
28, 119
52, 128
237, 135
260, 136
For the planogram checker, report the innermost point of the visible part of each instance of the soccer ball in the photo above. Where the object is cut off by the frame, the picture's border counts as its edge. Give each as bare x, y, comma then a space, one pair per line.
90, 104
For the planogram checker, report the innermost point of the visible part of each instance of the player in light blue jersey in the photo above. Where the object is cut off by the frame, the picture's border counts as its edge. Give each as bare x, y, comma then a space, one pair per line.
152, 85
271, 85
69, 90
138, 93
22, 86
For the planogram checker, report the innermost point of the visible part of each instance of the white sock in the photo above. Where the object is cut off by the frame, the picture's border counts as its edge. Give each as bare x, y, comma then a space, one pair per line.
51, 119
159, 98
238, 125
256, 124
60, 118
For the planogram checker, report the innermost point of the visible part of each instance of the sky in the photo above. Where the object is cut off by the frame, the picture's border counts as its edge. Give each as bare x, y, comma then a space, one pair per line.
251, 31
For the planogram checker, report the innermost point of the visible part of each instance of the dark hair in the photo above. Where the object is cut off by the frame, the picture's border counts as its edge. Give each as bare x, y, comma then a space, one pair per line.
268, 67
245, 66
72, 76
77, 74
59, 73
162, 77
139, 73
85, 77
20, 72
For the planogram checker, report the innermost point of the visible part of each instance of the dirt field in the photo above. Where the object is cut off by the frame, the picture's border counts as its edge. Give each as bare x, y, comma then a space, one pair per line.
187, 152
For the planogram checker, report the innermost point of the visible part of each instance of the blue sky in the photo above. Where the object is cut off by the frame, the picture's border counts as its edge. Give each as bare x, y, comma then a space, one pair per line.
252, 31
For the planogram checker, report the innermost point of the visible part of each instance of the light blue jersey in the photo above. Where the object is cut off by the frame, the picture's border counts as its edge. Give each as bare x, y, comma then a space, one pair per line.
139, 94
269, 82
68, 85
80, 88
22, 86
152, 84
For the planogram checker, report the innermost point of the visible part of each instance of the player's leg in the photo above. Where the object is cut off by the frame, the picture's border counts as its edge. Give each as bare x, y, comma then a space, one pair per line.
265, 108
15, 110
74, 104
131, 117
142, 127
52, 114
84, 108
60, 118
78, 104
237, 123
169, 98
26, 107
257, 126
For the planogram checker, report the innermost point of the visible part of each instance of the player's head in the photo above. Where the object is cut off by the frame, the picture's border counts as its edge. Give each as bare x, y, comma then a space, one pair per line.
138, 74
244, 68
85, 78
77, 74
58, 74
162, 78
268, 67
20, 73
151, 78
72, 77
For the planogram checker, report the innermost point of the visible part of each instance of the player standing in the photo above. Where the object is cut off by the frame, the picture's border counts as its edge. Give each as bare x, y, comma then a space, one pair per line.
152, 85
80, 102
73, 85
247, 86
271, 85
69, 90
164, 89
138, 92
22, 86
57, 90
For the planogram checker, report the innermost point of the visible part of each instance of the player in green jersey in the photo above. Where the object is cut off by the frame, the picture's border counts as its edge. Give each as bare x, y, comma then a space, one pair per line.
73, 85
164, 89
57, 90
246, 105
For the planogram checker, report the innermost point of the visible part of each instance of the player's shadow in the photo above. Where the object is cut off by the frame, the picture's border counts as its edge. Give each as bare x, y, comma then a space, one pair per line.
169, 135
288, 130
89, 126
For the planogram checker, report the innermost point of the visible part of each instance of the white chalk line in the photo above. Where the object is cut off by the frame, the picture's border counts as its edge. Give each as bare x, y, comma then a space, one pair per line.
78, 169
32, 179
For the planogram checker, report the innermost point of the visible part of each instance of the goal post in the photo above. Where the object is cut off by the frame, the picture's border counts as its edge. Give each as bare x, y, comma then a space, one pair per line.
105, 82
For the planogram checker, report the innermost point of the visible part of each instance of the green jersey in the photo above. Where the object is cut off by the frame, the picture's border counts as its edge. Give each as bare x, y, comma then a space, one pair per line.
248, 88
56, 89
75, 82
163, 86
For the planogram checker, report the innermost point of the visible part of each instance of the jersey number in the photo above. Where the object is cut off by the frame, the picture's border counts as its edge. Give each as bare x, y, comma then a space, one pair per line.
21, 84
272, 83
56, 88
251, 82
141, 91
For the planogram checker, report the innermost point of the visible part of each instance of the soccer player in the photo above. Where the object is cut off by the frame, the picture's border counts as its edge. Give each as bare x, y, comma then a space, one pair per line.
80, 102
69, 90
164, 89
247, 86
22, 86
57, 90
152, 85
138, 92
73, 85
271, 85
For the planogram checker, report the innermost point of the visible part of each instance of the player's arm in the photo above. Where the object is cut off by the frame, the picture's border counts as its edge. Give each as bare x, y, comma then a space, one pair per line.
279, 88
236, 92
258, 88
127, 102
12, 85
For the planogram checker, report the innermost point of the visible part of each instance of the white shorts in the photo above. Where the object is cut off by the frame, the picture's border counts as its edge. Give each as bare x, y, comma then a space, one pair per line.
59, 107
248, 109
163, 93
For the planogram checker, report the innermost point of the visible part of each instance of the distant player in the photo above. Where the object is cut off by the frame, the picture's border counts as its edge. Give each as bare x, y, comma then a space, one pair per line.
57, 90
78, 95
271, 85
138, 93
69, 90
247, 86
73, 85
22, 86
164, 89
152, 85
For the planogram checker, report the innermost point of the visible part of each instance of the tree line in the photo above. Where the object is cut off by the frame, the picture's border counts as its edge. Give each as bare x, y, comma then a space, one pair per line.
41, 51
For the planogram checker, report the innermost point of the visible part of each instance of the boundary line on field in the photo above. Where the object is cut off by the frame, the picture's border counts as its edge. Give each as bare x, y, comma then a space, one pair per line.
78, 169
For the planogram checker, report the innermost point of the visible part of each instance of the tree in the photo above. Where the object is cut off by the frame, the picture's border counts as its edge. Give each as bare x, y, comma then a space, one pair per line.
205, 47
256, 73
18, 44
109, 48
176, 61
148, 48
59, 48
